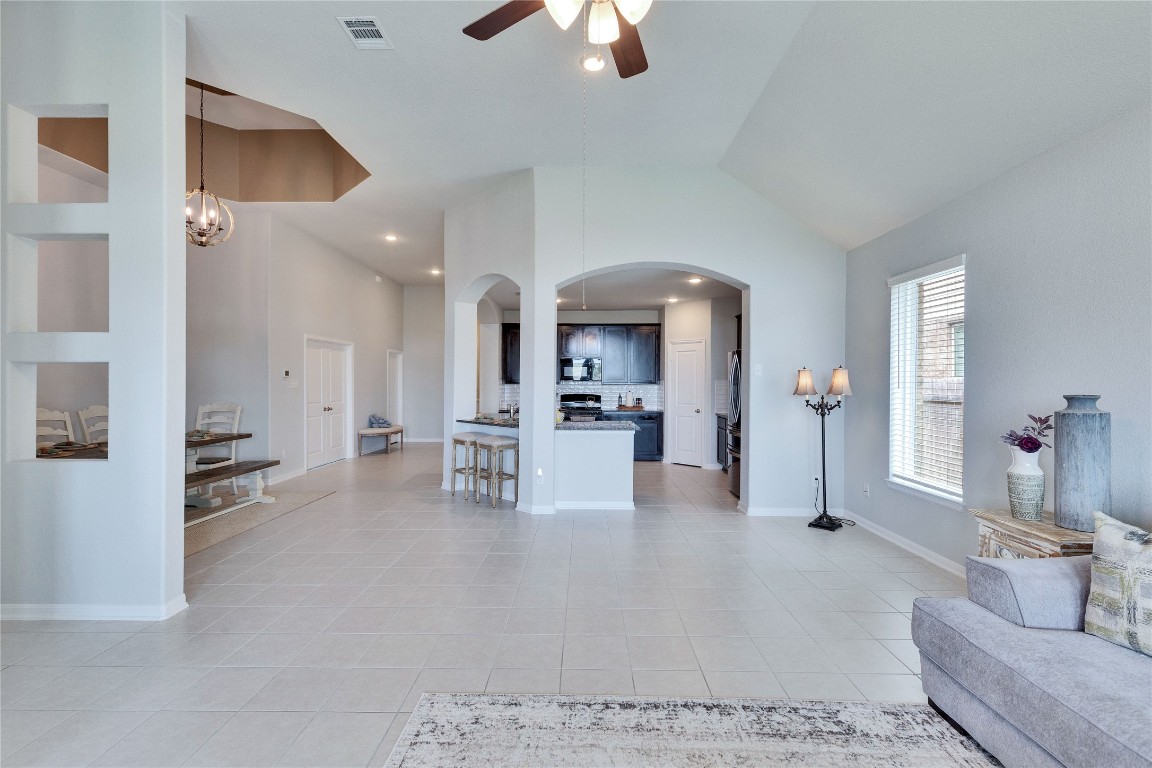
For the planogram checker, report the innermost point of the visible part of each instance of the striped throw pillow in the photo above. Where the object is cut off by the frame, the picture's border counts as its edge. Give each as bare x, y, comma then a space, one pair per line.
1120, 602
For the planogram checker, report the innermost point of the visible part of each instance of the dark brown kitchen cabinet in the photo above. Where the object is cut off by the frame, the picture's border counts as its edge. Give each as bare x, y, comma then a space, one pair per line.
643, 354
510, 353
592, 340
570, 341
614, 358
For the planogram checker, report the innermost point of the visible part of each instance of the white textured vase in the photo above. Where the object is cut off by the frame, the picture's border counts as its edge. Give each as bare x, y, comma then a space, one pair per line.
1025, 486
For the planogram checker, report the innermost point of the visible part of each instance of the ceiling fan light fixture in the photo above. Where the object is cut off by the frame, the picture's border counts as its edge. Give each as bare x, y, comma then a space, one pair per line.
593, 62
633, 10
564, 12
602, 25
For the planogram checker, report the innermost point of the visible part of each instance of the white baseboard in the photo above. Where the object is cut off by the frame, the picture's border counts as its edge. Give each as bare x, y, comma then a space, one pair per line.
536, 509
92, 612
285, 477
785, 511
712, 467
920, 551
423, 440
622, 505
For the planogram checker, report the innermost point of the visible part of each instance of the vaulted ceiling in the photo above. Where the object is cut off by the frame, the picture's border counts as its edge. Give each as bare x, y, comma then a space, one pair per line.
853, 117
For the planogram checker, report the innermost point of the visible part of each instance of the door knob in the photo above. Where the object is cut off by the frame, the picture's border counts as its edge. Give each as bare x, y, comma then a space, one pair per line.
697, 410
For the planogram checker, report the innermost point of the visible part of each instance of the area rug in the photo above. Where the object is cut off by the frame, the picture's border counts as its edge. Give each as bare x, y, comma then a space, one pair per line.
205, 534
491, 730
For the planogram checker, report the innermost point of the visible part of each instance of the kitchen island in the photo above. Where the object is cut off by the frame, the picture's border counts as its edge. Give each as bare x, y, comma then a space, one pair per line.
594, 464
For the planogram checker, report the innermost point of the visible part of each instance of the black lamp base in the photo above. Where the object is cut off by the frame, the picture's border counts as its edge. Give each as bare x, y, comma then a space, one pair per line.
825, 521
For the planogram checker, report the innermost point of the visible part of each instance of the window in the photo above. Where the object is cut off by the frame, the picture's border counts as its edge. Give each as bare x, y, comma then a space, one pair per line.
926, 427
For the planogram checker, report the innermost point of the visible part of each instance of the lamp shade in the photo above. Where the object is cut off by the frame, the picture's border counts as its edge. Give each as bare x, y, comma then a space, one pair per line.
602, 25
564, 12
633, 10
804, 386
839, 385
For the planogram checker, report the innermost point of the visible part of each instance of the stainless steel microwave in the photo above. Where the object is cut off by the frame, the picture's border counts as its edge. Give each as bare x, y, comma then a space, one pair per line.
580, 369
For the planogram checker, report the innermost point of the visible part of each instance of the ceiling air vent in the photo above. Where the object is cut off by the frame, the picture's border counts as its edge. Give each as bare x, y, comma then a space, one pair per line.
365, 32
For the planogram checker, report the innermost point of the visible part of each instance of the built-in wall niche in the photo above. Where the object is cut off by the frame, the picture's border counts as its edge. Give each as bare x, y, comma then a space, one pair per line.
72, 286
72, 158
72, 410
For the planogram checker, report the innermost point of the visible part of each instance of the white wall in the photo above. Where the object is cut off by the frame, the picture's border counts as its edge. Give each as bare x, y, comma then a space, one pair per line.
97, 539
527, 226
315, 290
424, 362
228, 327
1058, 287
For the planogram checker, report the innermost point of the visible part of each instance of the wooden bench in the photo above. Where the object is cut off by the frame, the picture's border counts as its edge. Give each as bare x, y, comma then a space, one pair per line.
255, 482
385, 432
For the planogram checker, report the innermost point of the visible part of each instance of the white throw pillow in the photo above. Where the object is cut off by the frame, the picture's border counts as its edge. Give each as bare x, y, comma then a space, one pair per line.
1120, 602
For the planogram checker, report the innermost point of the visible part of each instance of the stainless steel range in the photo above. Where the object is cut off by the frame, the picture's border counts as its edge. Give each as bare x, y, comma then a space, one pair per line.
580, 407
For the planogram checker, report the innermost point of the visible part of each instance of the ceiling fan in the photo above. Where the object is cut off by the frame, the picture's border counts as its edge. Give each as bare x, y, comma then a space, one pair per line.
609, 21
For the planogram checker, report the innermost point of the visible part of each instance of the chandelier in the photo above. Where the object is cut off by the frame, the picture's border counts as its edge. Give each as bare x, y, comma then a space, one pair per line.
207, 220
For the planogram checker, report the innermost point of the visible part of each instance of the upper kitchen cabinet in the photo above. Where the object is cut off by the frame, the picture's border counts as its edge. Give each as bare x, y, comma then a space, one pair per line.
643, 354
631, 354
579, 340
614, 360
570, 341
510, 353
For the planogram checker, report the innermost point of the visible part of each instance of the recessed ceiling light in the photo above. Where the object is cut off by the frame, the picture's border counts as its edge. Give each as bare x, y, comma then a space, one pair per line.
695, 280
390, 238
592, 62
672, 299
434, 271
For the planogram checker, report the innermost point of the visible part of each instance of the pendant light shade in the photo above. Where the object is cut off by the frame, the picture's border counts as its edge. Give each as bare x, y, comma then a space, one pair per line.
633, 10
564, 12
207, 220
602, 25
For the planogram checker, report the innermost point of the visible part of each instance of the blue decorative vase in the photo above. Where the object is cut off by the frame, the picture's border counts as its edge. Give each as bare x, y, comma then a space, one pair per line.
1082, 480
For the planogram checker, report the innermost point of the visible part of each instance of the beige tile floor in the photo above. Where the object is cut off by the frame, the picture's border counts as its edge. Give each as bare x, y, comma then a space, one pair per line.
309, 640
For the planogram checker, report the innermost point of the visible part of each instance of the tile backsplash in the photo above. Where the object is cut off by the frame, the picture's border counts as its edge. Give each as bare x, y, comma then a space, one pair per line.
653, 394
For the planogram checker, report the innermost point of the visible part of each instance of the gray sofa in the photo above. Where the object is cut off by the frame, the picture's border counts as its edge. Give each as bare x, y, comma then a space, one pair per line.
1012, 666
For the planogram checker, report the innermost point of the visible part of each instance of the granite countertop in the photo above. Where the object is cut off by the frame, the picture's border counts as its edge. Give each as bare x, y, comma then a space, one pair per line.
597, 426
506, 423
614, 410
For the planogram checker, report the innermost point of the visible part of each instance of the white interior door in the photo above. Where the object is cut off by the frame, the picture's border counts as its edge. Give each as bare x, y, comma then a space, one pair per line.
685, 410
325, 386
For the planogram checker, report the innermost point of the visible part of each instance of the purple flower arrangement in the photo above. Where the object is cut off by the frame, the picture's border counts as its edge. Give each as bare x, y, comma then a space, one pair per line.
1030, 439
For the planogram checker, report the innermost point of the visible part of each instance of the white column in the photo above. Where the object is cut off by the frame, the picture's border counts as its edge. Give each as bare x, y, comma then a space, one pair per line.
99, 539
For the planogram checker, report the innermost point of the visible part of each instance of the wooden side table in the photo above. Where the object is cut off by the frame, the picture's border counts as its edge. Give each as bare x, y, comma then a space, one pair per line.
1002, 535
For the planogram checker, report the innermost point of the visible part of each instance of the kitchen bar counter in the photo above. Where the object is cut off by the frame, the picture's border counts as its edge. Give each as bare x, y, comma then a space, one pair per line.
505, 423
593, 464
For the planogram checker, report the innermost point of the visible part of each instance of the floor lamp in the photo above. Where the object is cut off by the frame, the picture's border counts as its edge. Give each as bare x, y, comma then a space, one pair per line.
840, 388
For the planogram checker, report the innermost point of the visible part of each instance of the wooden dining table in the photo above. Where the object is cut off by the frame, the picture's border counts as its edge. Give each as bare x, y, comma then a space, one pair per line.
192, 446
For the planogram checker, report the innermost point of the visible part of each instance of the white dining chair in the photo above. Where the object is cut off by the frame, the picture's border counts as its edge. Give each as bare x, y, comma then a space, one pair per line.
56, 426
218, 417
94, 423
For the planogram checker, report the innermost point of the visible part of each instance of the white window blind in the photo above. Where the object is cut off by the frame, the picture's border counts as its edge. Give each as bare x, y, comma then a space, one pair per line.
926, 427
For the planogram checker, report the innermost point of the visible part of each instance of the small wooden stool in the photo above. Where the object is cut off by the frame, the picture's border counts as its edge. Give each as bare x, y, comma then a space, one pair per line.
386, 432
491, 468
467, 441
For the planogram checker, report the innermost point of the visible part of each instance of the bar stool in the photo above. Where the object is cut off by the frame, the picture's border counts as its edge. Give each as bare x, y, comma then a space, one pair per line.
467, 441
491, 467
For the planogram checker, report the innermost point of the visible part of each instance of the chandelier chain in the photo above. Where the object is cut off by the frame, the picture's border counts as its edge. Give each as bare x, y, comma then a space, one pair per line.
201, 137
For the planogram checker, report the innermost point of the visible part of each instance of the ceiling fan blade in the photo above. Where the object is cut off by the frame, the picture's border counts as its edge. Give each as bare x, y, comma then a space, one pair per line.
502, 18
627, 51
